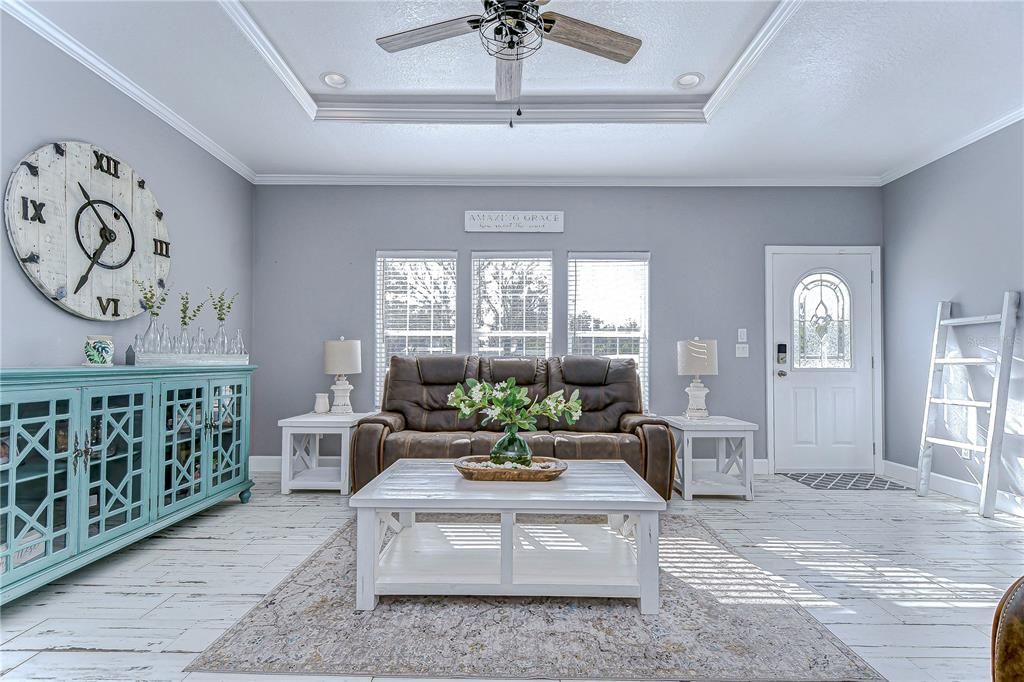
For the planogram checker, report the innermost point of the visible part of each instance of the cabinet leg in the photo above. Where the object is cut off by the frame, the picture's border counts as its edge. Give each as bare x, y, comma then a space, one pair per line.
244, 496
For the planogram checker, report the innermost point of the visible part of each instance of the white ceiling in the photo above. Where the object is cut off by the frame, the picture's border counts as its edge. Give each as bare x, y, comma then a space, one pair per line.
796, 93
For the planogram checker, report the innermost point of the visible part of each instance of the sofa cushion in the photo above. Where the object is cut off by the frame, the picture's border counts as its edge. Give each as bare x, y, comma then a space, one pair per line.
609, 388
531, 373
624, 446
425, 445
418, 388
541, 443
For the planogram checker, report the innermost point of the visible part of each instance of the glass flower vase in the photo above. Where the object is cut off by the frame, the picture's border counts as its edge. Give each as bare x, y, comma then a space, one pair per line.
219, 343
151, 339
511, 448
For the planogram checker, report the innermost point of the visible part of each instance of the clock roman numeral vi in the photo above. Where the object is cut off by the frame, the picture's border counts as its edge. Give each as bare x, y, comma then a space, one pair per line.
109, 304
36, 216
106, 164
161, 248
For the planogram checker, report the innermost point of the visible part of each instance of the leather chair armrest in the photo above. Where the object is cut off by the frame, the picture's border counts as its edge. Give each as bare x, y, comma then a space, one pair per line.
629, 423
393, 420
366, 452
658, 446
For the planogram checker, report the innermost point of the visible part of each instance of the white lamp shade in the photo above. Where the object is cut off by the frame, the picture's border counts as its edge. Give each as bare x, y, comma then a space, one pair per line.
697, 357
342, 357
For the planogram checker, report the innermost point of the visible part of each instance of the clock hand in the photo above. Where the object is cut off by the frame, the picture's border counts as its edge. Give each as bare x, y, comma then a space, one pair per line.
103, 225
95, 257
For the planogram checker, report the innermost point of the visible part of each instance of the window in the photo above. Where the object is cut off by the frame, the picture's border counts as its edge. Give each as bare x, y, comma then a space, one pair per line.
512, 304
821, 322
608, 307
415, 307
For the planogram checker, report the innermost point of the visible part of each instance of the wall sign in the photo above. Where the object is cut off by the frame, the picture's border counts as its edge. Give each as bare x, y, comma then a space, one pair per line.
515, 221
85, 227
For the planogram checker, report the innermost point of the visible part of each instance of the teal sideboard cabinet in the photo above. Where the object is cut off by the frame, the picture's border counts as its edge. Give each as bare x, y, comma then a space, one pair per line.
94, 459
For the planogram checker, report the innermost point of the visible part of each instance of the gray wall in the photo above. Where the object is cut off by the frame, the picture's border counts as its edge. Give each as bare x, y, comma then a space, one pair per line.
46, 97
314, 271
953, 230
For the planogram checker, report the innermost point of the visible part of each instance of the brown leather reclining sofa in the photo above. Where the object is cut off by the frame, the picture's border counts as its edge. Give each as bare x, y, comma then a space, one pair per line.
416, 421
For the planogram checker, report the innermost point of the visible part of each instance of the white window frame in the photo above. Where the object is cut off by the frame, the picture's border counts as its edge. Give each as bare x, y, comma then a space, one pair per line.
644, 334
512, 255
380, 357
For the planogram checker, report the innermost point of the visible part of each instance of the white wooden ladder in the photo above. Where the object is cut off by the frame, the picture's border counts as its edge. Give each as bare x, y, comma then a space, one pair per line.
996, 405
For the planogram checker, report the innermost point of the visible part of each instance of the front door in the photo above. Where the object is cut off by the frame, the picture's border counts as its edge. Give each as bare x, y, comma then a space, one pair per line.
824, 327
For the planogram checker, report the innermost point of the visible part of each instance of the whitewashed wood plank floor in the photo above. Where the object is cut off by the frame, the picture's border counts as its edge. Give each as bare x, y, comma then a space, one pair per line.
909, 583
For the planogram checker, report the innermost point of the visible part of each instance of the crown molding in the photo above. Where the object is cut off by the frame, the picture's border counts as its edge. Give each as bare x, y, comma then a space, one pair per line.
251, 30
764, 37
940, 151
30, 17
477, 110
558, 181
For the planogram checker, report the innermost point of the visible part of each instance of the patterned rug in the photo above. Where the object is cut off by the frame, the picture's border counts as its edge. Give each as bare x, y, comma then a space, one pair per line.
721, 618
846, 482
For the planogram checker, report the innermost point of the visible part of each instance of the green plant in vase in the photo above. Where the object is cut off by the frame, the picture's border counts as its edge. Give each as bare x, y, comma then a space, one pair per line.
510, 406
187, 314
153, 299
221, 305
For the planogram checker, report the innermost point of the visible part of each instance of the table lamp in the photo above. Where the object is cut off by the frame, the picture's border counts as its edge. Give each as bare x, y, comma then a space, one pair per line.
342, 357
697, 357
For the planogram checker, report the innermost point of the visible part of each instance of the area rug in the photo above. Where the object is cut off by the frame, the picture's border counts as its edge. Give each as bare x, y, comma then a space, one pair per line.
721, 618
837, 481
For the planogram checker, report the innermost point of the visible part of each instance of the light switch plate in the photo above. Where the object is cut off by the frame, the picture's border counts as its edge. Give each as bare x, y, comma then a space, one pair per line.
742, 350
741, 334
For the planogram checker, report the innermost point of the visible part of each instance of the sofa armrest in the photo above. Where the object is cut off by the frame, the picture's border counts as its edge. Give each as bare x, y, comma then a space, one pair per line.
395, 421
629, 423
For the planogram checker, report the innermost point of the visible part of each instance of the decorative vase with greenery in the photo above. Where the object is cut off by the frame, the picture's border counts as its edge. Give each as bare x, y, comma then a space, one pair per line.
510, 406
221, 305
153, 299
187, 314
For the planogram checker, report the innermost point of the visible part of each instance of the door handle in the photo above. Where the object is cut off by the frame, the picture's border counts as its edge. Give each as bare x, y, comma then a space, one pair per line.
782, 373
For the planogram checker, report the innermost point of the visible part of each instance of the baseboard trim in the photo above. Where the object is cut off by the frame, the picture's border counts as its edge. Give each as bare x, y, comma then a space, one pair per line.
1005, 501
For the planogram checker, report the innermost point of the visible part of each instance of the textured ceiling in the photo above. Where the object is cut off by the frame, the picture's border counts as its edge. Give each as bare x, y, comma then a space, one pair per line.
844, 92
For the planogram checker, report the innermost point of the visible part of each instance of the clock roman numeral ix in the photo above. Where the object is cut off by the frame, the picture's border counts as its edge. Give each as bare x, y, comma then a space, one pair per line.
161, 248
106, 164
36, 216
109, 304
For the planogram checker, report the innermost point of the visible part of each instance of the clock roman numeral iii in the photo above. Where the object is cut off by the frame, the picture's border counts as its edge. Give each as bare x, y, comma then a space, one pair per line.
161, 248
106, 164
36, 216
109, 306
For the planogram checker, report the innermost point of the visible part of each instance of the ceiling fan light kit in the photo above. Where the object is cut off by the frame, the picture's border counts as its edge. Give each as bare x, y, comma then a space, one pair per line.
511, 30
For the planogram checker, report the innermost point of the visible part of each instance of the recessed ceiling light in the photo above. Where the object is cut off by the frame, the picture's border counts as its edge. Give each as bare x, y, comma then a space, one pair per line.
689, 80
334, 80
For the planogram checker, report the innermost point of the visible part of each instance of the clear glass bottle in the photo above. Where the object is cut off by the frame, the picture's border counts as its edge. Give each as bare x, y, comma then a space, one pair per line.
165, 339
184, 341
238, 345
137, 344
199, 345
220, 340
151, 339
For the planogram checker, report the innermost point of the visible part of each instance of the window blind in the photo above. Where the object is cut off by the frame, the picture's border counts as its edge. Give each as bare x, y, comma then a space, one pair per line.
512, 304
608, 307
416, 307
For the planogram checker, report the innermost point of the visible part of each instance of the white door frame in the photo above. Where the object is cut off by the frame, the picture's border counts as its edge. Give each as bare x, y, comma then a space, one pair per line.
878, 363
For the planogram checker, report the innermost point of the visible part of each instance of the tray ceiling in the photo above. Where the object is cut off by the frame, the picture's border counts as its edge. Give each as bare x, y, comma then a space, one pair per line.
795, 93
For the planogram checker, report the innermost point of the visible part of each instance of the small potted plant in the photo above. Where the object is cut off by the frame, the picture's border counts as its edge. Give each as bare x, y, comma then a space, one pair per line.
221, 305
510, 406
153, 299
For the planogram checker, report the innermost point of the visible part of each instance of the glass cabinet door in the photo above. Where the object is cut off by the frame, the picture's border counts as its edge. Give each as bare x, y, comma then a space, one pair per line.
37, 445
228, 411
114, 467
182, 427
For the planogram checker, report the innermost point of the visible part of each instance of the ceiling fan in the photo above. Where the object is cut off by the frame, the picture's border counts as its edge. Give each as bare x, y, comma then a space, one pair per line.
512, 30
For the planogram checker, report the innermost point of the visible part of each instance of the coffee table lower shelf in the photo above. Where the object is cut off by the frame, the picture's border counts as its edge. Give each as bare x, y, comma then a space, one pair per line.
546, 560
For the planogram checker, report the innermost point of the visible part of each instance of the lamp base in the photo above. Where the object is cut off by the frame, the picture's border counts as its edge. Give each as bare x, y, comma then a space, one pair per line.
342, 388
697, 407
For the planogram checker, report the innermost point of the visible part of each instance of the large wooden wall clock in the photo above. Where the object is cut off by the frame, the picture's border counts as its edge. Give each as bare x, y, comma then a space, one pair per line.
85, 228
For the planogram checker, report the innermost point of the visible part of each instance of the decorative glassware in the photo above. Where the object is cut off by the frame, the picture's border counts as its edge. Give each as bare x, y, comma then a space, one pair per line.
199, 345
184, 341
165, 339
239, 345
511, 448
137, 344
220, 340
151, 339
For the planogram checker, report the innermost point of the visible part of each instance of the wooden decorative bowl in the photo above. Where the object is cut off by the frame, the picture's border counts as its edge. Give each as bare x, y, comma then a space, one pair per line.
530, 475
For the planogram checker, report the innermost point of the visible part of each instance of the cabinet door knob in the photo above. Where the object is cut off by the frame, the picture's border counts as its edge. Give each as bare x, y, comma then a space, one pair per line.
782, 373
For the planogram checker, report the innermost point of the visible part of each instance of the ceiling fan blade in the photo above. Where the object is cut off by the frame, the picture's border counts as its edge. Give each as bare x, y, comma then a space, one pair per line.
429, 34
590, 38
508, 80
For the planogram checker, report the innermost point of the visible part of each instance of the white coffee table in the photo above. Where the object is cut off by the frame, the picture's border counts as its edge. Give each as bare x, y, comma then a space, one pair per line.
619, 559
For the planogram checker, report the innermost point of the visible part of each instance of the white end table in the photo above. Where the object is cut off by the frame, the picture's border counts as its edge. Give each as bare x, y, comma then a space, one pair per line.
300, 444
735, 450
